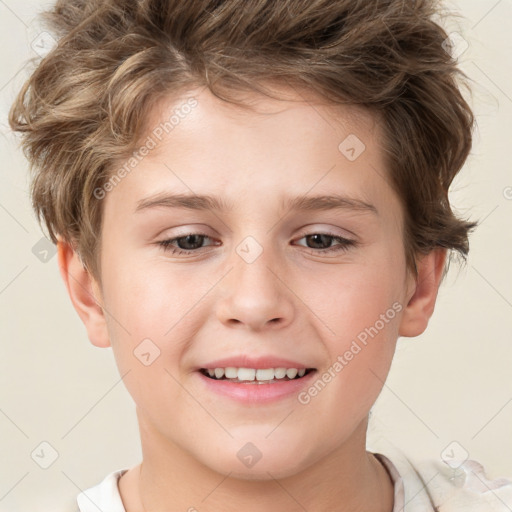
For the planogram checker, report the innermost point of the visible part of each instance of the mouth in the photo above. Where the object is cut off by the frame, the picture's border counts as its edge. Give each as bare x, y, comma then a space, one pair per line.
255, 375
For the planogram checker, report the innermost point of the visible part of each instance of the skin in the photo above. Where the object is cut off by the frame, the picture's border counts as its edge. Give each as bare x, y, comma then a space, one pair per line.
292, 301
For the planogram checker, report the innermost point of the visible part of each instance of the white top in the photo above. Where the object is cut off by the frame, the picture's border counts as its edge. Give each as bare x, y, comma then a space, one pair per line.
421, 487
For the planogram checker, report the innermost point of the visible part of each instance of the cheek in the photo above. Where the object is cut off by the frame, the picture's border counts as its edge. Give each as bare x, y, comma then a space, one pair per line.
149, 317
350, 298
360, 321
151, 298
365, 320
150, 322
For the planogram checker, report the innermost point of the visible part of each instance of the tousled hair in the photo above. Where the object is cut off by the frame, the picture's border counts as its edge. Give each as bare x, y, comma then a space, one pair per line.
85, 106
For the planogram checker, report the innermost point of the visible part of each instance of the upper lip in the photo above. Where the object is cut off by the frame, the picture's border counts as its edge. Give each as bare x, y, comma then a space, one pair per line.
244, 361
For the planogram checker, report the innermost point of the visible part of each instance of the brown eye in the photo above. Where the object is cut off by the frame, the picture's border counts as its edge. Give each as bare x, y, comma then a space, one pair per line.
317, 240
186, 244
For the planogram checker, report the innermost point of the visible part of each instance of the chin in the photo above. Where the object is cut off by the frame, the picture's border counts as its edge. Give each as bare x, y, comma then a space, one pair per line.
259, 460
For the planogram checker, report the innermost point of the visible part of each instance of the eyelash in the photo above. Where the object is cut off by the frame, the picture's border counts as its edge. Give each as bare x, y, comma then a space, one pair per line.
345, 244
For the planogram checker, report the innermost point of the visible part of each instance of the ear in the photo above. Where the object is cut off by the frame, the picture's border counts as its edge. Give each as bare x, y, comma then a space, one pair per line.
84, 293
423, 293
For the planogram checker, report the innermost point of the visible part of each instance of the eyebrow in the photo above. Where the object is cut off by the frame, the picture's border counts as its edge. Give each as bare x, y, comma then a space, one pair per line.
209, 202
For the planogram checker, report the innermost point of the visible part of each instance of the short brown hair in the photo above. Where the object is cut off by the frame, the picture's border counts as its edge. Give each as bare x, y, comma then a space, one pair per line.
84, 107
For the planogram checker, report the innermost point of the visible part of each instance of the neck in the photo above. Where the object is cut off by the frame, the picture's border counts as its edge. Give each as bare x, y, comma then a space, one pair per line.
348, 479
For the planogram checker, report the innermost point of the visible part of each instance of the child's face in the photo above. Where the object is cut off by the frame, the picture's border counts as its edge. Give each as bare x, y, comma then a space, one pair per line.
258, 285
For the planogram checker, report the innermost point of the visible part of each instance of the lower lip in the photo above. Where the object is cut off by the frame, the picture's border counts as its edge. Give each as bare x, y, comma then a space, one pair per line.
257, 393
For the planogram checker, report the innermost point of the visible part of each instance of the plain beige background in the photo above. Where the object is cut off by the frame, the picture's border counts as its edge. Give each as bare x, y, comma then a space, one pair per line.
451, 385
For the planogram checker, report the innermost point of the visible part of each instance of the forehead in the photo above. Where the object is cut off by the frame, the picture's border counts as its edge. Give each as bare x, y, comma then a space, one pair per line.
296, 114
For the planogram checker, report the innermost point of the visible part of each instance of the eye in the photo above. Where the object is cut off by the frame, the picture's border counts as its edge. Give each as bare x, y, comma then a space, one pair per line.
327, 239
189, 241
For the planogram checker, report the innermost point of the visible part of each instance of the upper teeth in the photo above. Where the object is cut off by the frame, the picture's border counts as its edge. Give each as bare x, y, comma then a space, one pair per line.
252, 373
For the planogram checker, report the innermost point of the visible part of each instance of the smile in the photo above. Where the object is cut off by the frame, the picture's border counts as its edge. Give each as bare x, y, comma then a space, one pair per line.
255, 375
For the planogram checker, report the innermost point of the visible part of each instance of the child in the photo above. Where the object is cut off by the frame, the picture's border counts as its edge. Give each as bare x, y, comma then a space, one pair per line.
310, 146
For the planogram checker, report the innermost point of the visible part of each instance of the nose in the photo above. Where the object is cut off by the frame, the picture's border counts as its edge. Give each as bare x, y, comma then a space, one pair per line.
254, 295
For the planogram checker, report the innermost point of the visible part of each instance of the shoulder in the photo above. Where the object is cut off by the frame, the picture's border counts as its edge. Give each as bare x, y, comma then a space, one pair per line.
104, 496
434, 485
464, 485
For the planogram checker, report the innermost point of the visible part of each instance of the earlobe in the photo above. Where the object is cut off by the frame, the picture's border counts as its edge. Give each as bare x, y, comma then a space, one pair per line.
422, 299
84, 293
